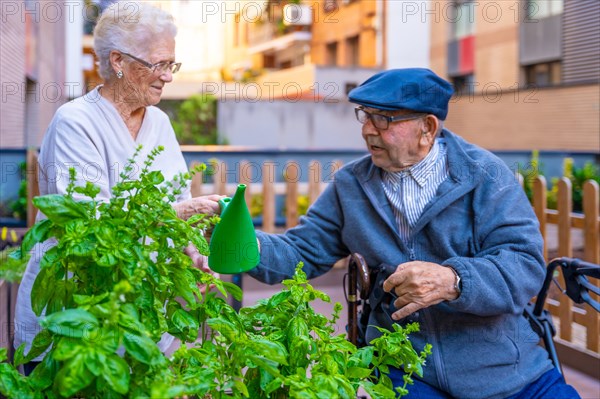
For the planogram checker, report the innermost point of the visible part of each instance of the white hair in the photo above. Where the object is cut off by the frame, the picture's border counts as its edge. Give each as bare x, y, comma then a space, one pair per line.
130, 27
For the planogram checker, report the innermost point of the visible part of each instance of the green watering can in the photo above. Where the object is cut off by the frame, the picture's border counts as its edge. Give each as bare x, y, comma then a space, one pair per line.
233, 245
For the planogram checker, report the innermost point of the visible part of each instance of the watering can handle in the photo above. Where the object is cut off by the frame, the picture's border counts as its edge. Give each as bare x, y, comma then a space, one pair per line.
223, 202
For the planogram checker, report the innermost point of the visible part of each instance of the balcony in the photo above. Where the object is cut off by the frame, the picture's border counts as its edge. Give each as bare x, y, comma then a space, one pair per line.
285, 27
268, 37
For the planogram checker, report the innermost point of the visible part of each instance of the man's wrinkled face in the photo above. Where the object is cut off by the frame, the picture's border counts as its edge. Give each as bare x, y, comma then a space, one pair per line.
399, 146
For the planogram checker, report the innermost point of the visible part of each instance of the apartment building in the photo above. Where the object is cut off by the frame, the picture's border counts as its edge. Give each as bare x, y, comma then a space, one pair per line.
299, 59
40, 67
526, 72
307, 44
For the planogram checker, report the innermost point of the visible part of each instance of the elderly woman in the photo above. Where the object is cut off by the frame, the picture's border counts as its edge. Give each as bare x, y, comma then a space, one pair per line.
100, 131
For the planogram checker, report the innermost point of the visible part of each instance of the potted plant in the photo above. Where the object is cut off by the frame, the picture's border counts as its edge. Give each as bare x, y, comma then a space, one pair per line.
117, 280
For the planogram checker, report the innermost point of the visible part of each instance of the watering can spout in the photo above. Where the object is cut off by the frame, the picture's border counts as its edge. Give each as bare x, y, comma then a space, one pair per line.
233, 245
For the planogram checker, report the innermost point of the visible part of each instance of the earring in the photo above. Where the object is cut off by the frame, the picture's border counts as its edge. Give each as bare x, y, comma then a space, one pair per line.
119, 74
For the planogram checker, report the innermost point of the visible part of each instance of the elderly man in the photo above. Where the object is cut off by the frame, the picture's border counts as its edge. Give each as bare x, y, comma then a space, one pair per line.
455, 226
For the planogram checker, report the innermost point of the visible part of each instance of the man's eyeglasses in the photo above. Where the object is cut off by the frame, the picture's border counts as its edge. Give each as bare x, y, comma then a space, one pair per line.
381, 121
159, 67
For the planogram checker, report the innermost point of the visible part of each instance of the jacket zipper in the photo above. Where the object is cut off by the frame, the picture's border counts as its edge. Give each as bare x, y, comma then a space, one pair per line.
437, 358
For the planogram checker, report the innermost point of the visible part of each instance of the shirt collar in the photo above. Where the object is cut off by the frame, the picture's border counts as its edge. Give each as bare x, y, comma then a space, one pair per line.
420, 171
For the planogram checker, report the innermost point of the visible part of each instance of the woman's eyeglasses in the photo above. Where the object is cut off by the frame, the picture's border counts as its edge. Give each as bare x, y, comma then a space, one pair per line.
159, 67
381, 121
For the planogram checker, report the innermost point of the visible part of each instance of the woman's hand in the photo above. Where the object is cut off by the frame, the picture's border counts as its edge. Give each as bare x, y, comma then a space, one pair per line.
200, 262
208, 205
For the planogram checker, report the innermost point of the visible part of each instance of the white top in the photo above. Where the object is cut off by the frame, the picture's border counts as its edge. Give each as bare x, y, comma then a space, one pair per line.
89, 134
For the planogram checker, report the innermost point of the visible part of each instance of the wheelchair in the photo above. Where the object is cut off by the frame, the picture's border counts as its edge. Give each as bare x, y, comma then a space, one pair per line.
576, 274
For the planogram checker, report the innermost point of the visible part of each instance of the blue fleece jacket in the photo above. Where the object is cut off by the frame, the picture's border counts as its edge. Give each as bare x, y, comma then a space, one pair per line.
480, 223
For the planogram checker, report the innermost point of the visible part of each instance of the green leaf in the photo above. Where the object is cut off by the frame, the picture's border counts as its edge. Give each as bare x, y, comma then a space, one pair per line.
182, 320
107, 340
145, 299
42, 290
185, 285
105, 234
345, 389
192, 220
200, 243
225, 327
116, 373
274, 351
240, 387
358, 372
107, 258
44, 374
235, 291
94, 362
267, 365
143, 349
13, 384
379, 390
60, 209
155, 177
131, 322
85, 247
19, 356
362, 357
89, 190
66, 348
73, 376
50, 258
71, 323
38, 233
40, 343
87, 300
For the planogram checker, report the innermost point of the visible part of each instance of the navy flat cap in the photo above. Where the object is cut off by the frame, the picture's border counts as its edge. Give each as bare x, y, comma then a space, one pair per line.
416, 89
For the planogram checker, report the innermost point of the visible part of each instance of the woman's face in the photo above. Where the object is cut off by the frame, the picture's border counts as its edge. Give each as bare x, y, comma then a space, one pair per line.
144, 87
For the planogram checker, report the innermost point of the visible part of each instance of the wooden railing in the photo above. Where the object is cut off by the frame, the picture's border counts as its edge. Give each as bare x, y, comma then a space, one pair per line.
565, 220
268, 187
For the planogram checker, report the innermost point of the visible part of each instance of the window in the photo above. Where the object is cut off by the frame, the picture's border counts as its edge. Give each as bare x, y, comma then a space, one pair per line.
236, 31
463, 19
463, 84
349, 86
544, 74
330, 5
537, 9
331, 52
352, 51
268, 61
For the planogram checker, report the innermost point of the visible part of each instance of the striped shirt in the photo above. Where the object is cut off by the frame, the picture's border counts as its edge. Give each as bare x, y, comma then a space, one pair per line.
410, 190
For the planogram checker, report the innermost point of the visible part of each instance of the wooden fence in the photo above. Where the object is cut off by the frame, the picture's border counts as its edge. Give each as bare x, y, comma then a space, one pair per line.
566, 221
269, 188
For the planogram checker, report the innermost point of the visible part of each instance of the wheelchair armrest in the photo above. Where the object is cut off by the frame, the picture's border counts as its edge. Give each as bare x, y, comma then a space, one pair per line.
576, 273
537, 321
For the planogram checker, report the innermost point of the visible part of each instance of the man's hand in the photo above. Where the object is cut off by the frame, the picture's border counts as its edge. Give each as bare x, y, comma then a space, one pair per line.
419, 285
208, 205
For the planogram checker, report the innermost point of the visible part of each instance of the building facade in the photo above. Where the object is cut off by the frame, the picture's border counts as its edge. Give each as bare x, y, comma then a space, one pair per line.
39, 70
313, 53
527, 73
